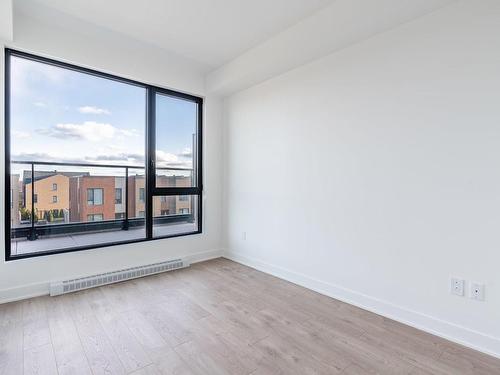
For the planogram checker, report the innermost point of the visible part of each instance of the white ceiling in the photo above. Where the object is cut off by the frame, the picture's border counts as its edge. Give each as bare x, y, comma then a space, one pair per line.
211, 32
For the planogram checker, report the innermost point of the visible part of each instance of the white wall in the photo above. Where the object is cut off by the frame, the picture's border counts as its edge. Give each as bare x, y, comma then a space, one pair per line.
336, 26
373, 174
109, 53
6, 19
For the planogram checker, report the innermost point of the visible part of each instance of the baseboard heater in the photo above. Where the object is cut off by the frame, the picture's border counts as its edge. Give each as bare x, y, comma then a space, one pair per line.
68, 286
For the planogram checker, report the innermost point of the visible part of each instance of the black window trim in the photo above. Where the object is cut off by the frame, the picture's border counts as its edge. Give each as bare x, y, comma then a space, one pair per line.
151, 189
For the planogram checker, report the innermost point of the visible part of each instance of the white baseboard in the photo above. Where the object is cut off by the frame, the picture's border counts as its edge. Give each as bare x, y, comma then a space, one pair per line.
42, 289
458, 334
24, 292
204, 255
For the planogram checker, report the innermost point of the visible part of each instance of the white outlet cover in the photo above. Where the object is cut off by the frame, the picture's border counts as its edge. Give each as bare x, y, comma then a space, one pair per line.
457, 286
477, 291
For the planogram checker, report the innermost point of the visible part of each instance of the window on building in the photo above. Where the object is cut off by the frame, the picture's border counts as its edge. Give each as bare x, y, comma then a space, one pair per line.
95, 217
95, 196
118, 196
183, 210
153, 124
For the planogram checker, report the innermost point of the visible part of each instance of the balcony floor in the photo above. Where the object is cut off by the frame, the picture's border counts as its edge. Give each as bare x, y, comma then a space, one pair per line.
51, 243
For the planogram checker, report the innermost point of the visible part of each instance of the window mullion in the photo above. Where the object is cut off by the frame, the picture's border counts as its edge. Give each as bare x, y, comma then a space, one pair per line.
150, 157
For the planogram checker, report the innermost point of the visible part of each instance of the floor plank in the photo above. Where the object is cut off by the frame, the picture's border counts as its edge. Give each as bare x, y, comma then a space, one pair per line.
40, 361
68, 350
101, 357
11, 348
128, 349
217, 317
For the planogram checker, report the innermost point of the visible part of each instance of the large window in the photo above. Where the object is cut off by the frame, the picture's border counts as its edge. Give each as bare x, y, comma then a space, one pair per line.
82, 134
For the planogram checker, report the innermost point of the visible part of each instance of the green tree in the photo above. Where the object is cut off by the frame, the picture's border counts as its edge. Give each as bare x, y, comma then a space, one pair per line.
25, 213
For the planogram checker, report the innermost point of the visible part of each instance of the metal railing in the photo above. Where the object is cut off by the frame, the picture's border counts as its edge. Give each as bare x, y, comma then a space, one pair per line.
34, 230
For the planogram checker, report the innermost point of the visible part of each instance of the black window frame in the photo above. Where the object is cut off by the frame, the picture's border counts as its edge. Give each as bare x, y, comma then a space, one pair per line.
150, 172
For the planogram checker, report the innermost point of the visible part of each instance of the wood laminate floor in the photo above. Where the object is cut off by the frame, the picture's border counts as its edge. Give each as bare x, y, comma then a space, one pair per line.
217, 317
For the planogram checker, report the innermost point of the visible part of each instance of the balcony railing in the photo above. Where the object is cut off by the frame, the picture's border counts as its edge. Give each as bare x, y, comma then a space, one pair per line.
35, 228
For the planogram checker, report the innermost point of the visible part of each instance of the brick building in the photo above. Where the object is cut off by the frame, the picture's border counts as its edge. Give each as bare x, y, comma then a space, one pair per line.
15, 201
92, 198
51, 197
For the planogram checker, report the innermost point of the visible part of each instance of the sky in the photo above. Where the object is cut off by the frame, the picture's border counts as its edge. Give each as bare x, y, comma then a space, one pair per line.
67, 116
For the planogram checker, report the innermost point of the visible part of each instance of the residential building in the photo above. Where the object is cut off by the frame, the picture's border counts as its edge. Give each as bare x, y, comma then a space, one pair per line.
92, 198
120, 193
137, 196
51, 198
15, 202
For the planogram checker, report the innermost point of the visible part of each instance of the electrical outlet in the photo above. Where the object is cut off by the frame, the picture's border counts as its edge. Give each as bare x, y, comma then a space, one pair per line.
477, 291
457, 286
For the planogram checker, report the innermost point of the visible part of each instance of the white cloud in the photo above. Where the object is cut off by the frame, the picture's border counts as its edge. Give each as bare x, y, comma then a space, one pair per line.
24, 72
187, 153
43, 156
40, 104
89, 131
166, 159
94, 110
21, 134
118, 158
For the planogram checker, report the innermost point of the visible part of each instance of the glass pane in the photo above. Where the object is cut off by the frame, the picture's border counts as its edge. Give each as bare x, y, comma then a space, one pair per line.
65, 116
174, 178
175, 214
20, 215
176, 141
137, 195
84, 213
